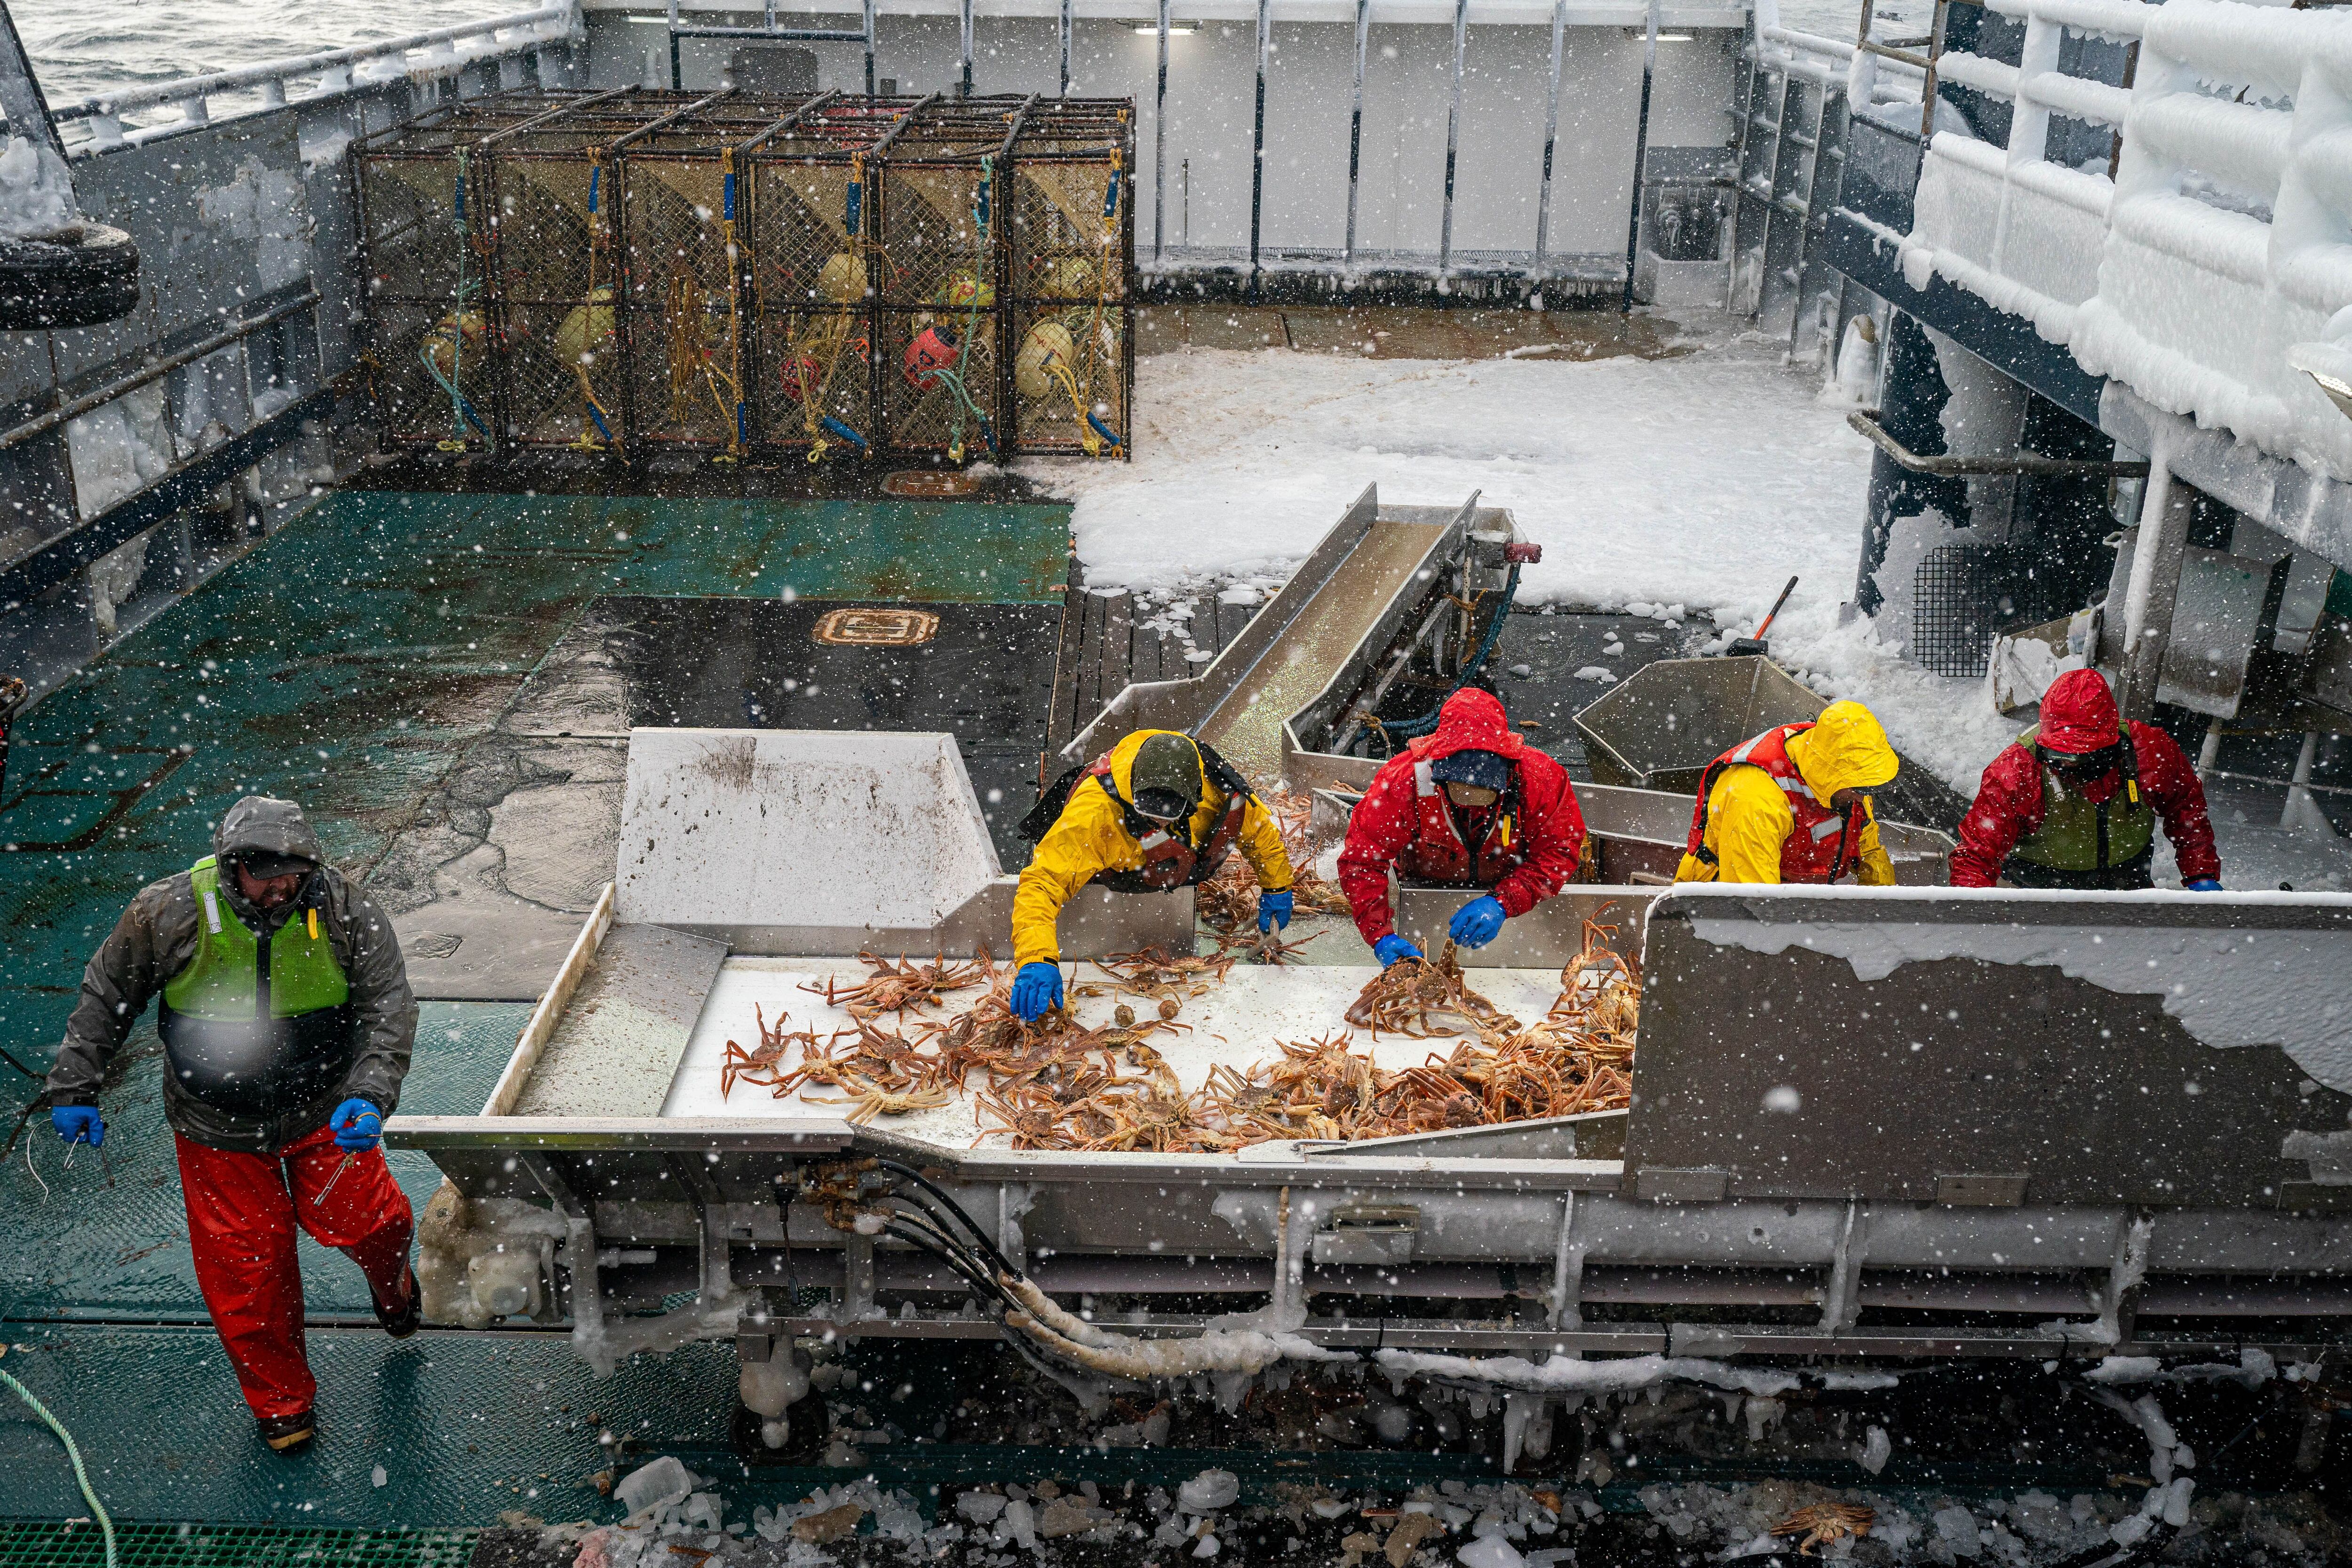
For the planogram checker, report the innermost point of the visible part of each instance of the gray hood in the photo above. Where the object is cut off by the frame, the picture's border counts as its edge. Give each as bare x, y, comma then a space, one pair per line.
271, 826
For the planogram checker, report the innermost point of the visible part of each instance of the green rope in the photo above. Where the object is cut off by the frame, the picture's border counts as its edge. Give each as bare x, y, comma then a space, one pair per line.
460, 412
97, 1507
954, 380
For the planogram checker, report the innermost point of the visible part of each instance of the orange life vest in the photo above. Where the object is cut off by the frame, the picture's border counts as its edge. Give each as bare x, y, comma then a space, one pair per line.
1821, 845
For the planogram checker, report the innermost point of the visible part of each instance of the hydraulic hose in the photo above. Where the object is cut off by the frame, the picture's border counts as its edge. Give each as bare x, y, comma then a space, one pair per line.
1426, 722
81, 1475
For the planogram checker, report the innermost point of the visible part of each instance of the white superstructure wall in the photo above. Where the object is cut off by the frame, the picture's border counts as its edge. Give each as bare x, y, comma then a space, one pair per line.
1204, 201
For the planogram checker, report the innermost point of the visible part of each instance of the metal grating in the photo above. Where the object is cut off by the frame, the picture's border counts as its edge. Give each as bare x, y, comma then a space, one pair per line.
1956, 608
752, 276
50, 1544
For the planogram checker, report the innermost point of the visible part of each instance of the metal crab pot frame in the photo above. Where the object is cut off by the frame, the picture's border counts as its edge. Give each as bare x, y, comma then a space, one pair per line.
825, 274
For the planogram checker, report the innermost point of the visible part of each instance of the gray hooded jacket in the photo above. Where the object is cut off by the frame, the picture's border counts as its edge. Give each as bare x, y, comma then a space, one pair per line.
156, 939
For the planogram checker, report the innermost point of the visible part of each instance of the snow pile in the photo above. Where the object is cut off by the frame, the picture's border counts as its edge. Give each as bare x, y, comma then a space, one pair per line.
1656, 486
36, 191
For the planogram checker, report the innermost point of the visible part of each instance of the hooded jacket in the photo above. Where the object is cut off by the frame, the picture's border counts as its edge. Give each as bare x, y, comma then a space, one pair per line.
1090, 837
2079, 714
1749, 813
157, 938
1389, 829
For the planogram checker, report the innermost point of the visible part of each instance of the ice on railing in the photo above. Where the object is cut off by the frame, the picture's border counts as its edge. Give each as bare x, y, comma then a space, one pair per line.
2117, 21
2218, 251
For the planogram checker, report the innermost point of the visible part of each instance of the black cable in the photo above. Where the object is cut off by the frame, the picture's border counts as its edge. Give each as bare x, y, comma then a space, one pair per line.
20, 1067
964, 1270
968, 1224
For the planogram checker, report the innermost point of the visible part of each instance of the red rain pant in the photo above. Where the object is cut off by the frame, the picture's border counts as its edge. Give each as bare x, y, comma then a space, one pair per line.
241, 1211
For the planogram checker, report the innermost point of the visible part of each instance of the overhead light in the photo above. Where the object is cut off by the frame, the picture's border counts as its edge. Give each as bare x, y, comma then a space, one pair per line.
1152, 28
1662, 37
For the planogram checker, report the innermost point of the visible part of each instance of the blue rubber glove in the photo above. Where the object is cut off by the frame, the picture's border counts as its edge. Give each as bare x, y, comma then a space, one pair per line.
77, 1124
1036, 990
358, 1124
1273, 910
1477, 922
1393, 948
2203, 885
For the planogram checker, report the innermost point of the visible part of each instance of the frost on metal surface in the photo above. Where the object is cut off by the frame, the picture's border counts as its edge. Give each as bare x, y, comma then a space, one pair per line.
798, 828
2229, 983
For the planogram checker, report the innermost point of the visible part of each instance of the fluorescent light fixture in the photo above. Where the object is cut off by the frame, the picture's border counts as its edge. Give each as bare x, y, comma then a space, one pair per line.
1152, 28
1664, 36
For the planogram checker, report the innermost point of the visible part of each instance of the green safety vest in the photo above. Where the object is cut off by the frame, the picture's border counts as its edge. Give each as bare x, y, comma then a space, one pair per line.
256, 1025
2077, 835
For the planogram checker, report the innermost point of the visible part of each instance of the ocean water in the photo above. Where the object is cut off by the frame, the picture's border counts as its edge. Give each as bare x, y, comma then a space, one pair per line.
81, 47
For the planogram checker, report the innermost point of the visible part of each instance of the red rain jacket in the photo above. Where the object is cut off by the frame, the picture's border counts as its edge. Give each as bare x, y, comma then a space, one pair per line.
2077, 712
1527, 846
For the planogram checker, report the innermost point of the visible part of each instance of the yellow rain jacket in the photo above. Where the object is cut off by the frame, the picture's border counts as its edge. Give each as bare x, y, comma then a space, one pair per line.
1768, 816
1090, 837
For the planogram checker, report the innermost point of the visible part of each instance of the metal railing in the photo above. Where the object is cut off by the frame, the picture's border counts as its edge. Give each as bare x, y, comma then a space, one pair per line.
333, 72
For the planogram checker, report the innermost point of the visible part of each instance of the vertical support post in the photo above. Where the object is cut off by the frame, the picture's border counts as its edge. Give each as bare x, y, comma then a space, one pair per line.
2164, 514
1356, 128
1258, 142
2209, 755
1453, 139
1642, 152
1551, 135
1566, 1270
963, 46
1935, 53
869, 48
770, 12
2029, 121
1065, 92
2299, 811
676, 75
1160, 145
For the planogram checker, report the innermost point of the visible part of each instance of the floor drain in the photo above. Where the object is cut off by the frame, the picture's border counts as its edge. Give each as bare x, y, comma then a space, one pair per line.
931, 483
877, 628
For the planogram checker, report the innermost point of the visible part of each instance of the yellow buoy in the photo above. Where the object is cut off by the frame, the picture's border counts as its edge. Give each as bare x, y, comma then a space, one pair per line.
1047, 344
958, 291
440, 346
587, 331
1071, 277
842, 280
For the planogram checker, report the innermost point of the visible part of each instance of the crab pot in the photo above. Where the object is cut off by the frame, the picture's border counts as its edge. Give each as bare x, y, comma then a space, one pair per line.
559, 281
1073, 369
753, 276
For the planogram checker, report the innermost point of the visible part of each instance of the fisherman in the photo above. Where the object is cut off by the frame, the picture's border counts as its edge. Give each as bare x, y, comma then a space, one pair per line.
1158, 810
277, 1118
1793, 804
1472, 782
2071, 804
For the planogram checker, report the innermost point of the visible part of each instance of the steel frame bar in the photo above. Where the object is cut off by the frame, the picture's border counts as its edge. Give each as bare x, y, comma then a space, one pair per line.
963, 45
782, 126
1641, 151
1257, 142
1355, 128
1159, 145
1065, 92
1551, 130
1453, 139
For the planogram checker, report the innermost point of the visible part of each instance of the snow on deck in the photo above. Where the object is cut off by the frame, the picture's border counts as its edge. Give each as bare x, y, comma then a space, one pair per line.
1236, 1022
1702, 480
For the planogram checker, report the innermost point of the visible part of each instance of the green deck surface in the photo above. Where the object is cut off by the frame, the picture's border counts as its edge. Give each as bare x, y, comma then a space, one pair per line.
346, 663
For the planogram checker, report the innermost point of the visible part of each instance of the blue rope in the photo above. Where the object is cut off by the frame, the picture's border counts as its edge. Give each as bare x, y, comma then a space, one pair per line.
1427, 722
96, 1508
